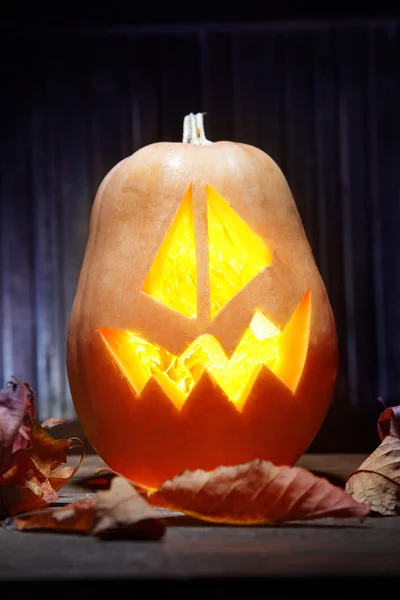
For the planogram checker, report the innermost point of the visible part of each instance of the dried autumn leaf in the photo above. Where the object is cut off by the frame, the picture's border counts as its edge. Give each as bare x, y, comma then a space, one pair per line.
49, 454
122, 511
30, 458
16, 419
119, 511
23, 486
24, 471
255, 492
22, 439
377, 480
74, 517
389, 422
12, 406
28, 484
19, 499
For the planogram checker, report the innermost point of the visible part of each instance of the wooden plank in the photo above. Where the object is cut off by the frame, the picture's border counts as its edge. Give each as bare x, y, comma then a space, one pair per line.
46, 249
108, 124
16, 239
70, 117
329, 217
299, 138
145, 91
358, 259
210, 557
180, 84
218, 88
164, 88
258, 79
384, 128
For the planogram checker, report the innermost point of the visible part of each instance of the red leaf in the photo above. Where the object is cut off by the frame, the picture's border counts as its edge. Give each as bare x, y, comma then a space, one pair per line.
389, 422
255, 492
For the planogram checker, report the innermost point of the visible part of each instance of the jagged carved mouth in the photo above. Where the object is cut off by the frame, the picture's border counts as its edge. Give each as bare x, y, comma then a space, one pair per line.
283, 352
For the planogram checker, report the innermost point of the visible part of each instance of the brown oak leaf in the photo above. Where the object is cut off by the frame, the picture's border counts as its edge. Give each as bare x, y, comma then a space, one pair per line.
117, 512
377, 480
254, 493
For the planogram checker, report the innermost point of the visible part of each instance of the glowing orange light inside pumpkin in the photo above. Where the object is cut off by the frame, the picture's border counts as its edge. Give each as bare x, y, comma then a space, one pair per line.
236, 253
283, 353
172, 278
235, 256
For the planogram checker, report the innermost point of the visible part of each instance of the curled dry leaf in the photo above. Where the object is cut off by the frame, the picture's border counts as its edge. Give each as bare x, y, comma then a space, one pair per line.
389, 422
255, 492
49, 454
117, 512
29, 456
24, 486
377, 480
74, 517
122, 511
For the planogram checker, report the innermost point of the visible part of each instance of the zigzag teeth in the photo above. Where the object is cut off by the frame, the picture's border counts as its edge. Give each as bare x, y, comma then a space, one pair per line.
207, 384
288, 366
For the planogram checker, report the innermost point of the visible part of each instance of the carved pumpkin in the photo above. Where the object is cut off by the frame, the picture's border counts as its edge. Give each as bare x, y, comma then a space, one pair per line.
201, 333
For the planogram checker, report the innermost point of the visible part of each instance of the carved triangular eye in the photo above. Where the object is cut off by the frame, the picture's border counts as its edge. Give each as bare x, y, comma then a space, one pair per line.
236, 253
172, 278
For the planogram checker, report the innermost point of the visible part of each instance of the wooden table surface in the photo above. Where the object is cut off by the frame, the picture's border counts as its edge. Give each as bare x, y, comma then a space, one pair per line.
196, 557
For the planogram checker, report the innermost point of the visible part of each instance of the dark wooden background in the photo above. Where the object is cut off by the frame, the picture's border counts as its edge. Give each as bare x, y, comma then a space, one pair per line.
319, 96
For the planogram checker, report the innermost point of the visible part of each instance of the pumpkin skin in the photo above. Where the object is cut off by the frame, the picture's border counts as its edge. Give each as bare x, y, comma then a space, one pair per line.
145, 436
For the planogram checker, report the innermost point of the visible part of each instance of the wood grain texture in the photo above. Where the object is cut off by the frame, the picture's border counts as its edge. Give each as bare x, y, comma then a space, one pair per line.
196, 557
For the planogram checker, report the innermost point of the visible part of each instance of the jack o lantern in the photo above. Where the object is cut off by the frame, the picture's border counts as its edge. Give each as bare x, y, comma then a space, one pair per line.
201, 333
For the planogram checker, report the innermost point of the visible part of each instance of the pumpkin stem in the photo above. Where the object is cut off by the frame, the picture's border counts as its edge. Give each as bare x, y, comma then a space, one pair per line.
193, 130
